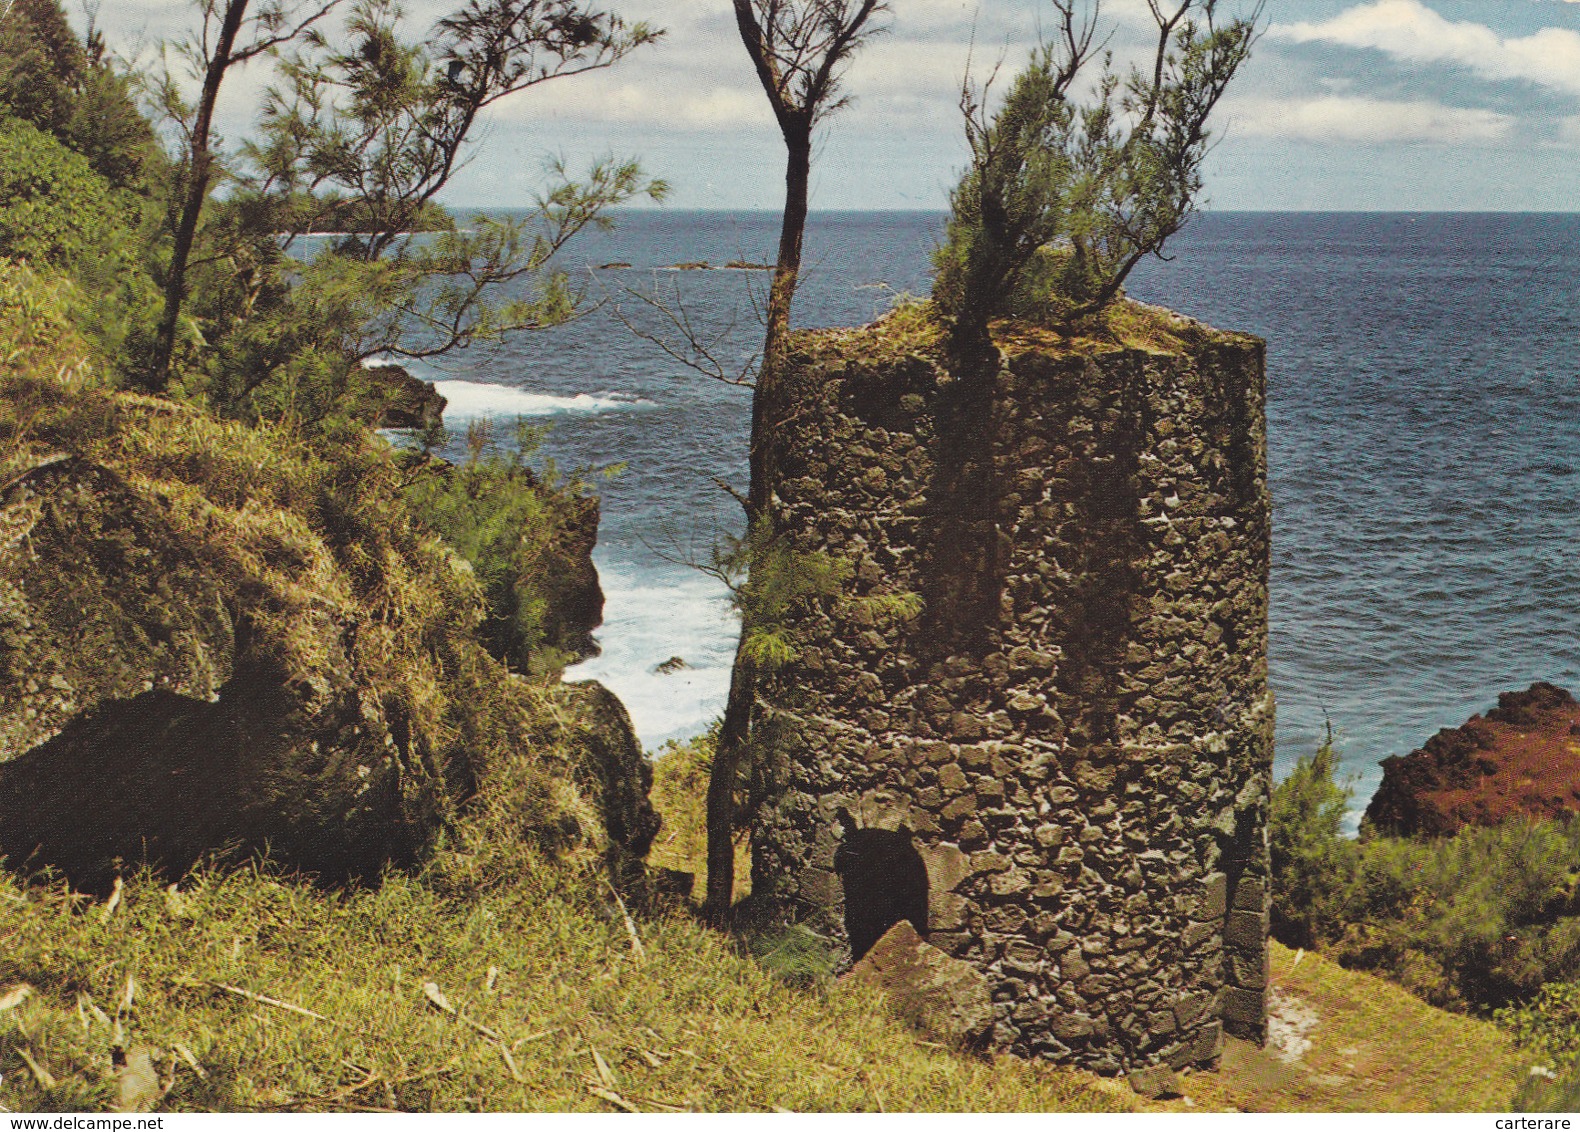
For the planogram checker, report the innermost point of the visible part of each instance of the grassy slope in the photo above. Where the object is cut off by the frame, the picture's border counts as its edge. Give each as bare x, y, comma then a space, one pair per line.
536, 954
1373, 1048
688, 1023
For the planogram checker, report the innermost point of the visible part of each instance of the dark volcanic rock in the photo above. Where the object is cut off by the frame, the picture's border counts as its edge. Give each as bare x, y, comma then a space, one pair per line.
139, 722
570, 584
1523, 757
616, 773
392, 398
940, 996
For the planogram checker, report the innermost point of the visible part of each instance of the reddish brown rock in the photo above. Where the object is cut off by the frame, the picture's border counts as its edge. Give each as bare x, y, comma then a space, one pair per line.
942, 997
1523, 757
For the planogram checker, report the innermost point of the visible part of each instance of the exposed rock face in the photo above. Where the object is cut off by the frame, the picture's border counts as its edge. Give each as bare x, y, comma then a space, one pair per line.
570, 583
159, 701
1063, 763
615, 771
942, 997
135, 722
1522, 758
393, 398
99, 600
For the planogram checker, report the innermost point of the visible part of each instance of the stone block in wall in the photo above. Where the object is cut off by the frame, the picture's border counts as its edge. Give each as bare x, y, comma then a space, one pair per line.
943, 997
1213, 900
1250, 894
946, 911
1208, 1044
946, 865
1243, 1010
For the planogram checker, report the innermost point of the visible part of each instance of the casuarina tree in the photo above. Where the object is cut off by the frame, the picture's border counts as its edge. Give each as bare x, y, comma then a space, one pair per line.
800, 50
1084, 170
230, 36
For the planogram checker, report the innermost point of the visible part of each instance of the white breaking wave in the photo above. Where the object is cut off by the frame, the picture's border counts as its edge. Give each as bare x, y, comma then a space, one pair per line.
472, 399
651, 615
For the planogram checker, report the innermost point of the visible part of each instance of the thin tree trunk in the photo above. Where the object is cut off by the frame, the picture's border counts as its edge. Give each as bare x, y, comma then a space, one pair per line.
197, 193
735, 734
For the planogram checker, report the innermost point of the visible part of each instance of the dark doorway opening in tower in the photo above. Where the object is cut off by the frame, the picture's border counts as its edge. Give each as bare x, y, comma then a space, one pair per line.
885, 881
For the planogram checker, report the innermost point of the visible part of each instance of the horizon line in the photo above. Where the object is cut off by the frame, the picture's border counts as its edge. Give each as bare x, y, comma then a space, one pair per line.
661, 210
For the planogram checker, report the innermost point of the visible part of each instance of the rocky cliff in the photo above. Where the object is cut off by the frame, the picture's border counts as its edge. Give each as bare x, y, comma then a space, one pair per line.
215, 642
1522, 757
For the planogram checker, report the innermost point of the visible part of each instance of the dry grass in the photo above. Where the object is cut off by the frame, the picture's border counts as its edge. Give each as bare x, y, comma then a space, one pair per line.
912, 329
537, 965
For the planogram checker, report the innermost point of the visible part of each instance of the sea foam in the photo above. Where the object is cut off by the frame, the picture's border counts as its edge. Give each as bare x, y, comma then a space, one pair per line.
471, 399
653, 613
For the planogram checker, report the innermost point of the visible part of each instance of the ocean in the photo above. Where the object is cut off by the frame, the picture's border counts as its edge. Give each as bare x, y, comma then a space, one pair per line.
1422, 432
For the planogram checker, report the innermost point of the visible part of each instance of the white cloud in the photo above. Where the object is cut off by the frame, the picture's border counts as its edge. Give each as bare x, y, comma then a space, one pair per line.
694, 107
1365, 121
1409, 30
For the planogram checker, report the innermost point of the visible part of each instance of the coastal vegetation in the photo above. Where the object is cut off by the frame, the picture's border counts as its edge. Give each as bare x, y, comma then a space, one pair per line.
1064, 195
1485, 922
203, 352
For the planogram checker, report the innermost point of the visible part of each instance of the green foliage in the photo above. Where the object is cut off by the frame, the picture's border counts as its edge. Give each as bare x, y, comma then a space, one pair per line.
780, 580
57, 213
1547, 1025
1474, 921
1062, 198
41, 65
77, 95
512, 524
54, 209
1313, 862
1547, 1029
796, 955
1010, 202
357, 138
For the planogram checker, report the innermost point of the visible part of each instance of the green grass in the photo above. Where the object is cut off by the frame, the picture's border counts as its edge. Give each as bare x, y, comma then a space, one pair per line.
535, 957
1374, 1048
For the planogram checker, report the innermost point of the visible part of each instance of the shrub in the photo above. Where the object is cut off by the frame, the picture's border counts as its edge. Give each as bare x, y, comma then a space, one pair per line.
58, 214
1548, 1029
1474, 921
1062, 198
1313, 863
80, 96
1548, 1025
516, 526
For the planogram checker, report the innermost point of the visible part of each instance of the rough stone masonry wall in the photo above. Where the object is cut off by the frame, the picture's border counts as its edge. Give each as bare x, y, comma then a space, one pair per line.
1062, 764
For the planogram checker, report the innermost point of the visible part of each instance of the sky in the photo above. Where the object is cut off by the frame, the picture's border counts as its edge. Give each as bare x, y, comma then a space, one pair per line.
1409, 105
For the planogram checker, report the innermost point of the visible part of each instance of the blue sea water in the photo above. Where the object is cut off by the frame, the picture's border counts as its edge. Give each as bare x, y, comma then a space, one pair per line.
1424, 382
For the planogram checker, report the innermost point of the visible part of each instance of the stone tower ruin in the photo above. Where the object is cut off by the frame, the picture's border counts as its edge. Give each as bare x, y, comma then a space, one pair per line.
1058, 769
